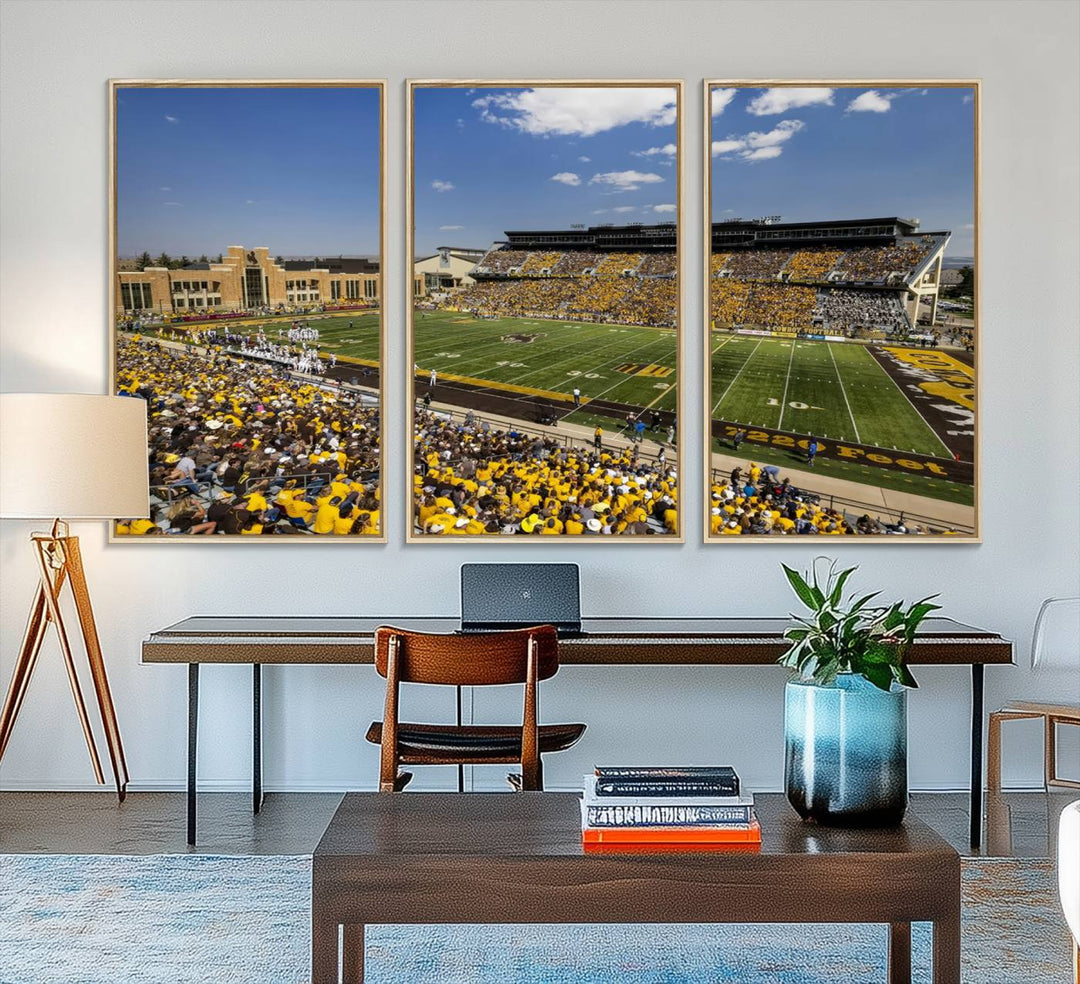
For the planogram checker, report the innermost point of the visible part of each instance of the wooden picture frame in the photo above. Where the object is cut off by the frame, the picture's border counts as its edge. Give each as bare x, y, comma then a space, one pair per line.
739, 135
499, 104
280, 306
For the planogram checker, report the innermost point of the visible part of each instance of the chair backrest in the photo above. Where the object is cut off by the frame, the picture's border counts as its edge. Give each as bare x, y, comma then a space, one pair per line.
468, 660
1055, 642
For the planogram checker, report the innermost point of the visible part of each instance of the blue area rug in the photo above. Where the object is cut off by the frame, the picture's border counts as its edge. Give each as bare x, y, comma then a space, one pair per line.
246, 920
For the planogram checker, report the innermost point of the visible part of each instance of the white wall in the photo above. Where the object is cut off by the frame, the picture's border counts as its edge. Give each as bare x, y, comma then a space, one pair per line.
55, 60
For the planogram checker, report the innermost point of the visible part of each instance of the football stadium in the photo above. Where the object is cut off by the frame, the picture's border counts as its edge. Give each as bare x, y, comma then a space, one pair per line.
827, 353
262, 386
546, 387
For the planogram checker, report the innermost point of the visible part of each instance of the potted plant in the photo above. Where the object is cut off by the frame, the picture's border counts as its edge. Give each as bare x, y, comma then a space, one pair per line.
845, 713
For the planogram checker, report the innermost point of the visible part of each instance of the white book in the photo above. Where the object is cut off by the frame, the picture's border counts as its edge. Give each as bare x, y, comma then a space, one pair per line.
591, 799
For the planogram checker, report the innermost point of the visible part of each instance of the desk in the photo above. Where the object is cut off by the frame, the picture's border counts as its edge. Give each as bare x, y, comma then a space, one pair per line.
434, 858
604, 641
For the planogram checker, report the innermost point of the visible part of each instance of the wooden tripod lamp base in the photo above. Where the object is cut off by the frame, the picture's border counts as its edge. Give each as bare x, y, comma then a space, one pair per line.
102, 440
59, 561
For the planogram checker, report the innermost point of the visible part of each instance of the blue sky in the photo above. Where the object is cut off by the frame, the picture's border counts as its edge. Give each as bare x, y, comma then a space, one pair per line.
294, 169
488, 159
848, 152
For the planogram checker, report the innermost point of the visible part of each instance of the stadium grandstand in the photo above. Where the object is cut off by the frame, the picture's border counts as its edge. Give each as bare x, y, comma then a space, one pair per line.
240, 447
852, 277
605, 274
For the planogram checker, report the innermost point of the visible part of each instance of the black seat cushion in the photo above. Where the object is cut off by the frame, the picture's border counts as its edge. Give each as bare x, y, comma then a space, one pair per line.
474, 742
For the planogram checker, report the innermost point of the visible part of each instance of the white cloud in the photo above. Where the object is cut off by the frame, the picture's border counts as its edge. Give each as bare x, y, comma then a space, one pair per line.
599, 211
450, 228
763, 154
663, 208
757, 145
968, 97
250, 201
668, 150
179, 204
625, 208
442, 185
164, 188
722, 147
585, 160
719, 99
577, 112
870, 101
171, 119
780, 100
460, 123
566, 178
624, 180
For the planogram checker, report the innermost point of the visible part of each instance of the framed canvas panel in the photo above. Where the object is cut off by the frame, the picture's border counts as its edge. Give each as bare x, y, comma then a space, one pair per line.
841, 291
247, 236
544, 310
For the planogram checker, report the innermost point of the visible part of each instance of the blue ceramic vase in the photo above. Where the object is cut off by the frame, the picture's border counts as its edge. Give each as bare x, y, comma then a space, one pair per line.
846, 752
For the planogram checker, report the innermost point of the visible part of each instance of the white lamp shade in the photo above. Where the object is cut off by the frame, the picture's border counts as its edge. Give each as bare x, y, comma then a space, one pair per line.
72, 456
1055, 643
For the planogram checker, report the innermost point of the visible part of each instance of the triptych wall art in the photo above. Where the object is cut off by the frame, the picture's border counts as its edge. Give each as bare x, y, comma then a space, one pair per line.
544, 314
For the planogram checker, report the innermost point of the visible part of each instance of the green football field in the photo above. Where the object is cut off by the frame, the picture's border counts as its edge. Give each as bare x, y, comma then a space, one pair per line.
619, 363
829, 390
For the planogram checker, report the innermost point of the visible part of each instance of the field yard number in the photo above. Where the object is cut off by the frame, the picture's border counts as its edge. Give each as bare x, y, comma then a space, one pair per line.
513, 365
447, 355
585, 375
794, 404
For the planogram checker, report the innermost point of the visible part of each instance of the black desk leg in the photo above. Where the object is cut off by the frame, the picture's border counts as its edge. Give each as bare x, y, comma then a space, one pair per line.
192, 748
256, 738
461, 767
976, 753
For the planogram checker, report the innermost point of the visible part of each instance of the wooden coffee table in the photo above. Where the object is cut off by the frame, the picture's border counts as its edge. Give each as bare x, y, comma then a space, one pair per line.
517, 858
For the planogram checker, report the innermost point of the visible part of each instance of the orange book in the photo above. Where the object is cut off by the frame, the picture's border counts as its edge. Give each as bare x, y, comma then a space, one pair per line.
749, 834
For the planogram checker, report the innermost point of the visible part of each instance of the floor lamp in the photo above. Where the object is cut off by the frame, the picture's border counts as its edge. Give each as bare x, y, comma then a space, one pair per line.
76, 457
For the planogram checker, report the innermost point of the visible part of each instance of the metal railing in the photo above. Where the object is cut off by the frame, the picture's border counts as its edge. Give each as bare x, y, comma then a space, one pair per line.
568, 441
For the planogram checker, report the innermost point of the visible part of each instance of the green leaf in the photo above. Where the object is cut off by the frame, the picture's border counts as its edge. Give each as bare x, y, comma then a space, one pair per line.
862, 601
800, 587
903, 675
880, 676
838, 589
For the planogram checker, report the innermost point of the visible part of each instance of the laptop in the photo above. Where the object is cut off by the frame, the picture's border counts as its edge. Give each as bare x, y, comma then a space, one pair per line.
497, 597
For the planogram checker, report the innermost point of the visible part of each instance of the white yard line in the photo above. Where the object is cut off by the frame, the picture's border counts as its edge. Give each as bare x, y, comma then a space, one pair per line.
787, 379
844, 391
663, 393
736, 376
881, 368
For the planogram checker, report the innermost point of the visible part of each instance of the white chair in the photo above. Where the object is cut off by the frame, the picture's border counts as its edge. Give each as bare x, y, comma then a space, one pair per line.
1069, 875
1055, 645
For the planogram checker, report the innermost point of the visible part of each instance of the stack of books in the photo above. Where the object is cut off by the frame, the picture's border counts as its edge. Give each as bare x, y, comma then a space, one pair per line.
656, 806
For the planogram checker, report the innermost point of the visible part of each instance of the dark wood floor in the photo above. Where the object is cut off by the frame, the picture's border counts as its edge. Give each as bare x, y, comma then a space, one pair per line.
1021, 824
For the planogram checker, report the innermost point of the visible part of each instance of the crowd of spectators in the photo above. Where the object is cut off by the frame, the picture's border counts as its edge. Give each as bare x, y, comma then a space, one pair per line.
844, 311
618, 264
657, 265
651, 301
811, 265
753, 501
238, 447
472, 478
502, 260
756, 264
574, 264
880, 264
537, 263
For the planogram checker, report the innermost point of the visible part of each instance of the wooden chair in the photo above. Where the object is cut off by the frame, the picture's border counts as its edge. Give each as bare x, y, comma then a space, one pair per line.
485, 659
1054, 645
